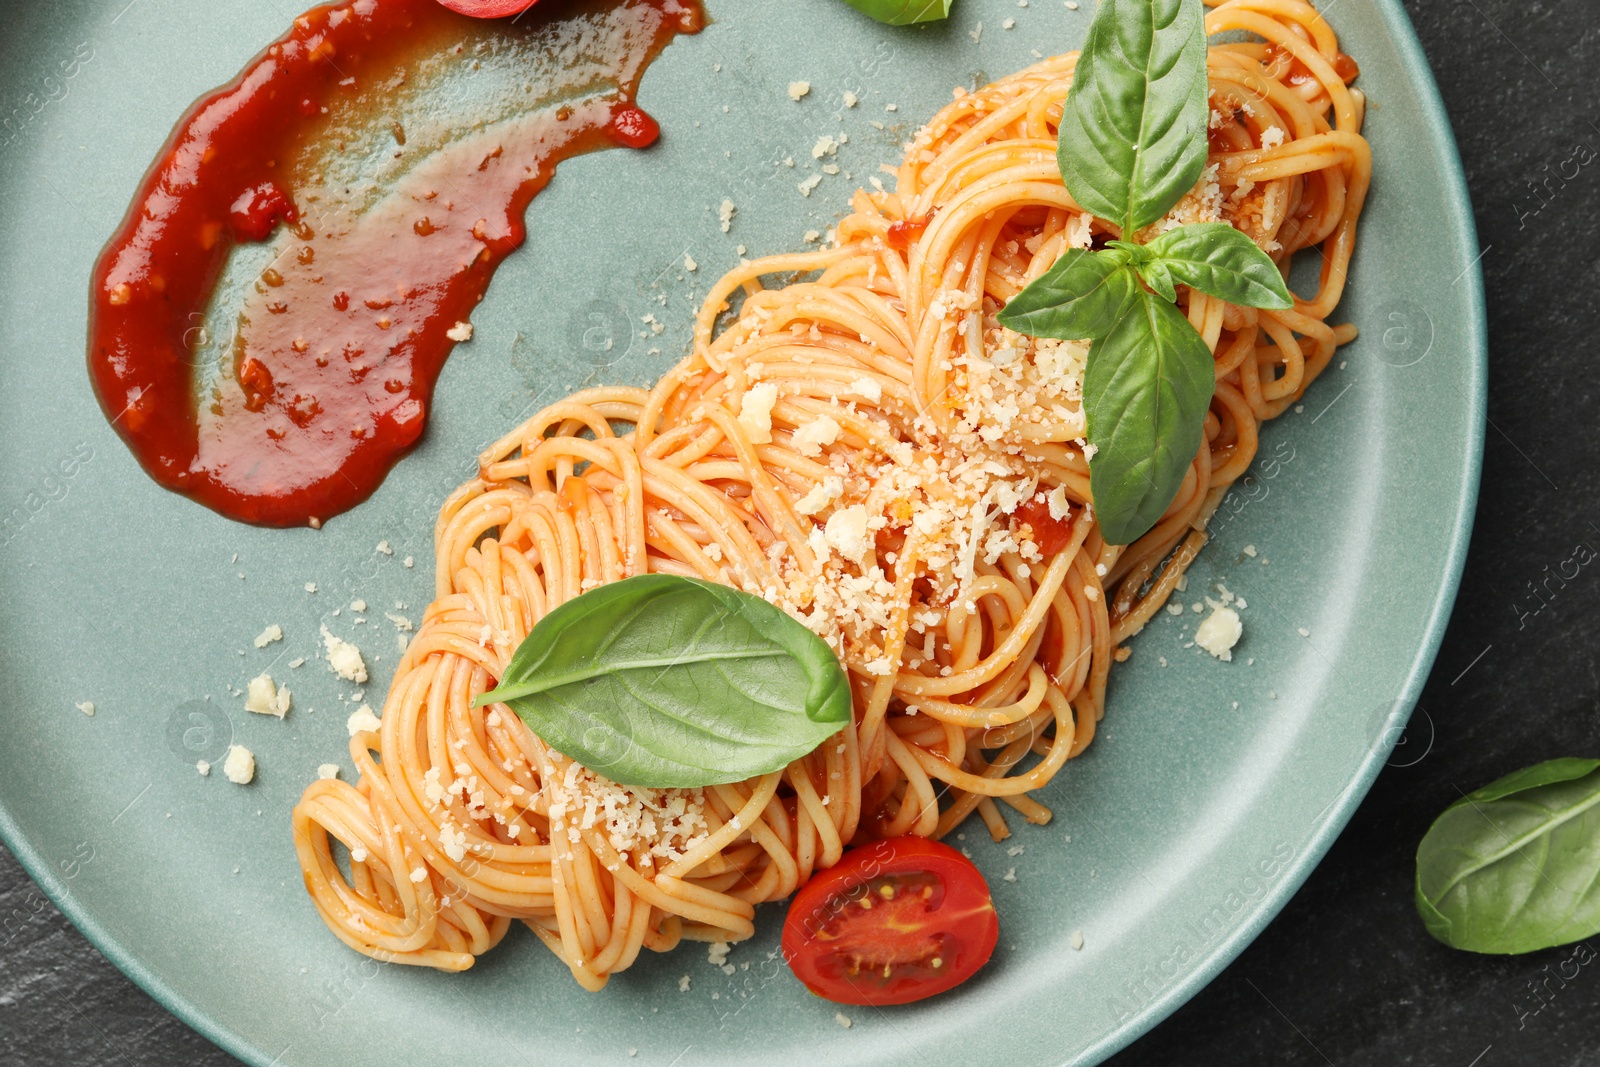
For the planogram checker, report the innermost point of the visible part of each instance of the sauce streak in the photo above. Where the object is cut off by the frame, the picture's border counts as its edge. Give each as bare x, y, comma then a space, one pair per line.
389, 149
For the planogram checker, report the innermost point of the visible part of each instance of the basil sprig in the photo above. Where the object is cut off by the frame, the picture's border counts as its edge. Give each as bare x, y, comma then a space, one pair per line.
903, 12
1132, 143
672, 682
1515, 866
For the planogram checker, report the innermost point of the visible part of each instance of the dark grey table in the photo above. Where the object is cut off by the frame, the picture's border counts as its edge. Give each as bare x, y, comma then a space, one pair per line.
1346, 974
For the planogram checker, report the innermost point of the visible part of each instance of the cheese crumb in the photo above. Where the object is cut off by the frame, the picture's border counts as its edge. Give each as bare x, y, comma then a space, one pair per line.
689, 264
240, 766
87, 707
269, 635
755, 412
1304, 632
798, 90
384, 548
203, 767
328, 770
265, 698
343, 657
820, 496
867, 387
846, 533
726, 213
851, 99
842, 1019
1219, 632
1077, 941
419, 875
683, 984
1250, 550
1059, 509
461, 331
809, 184
362, 719
1271, 137
809, 439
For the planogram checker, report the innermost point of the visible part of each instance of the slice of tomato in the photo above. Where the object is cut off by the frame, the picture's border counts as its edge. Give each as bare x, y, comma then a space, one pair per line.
489, 9
893, 922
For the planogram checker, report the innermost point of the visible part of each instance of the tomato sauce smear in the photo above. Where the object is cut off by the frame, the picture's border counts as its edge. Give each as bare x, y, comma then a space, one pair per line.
383, 237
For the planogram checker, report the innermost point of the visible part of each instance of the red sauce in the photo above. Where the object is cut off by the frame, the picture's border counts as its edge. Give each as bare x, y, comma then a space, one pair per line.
384, 237
1050, 534
1300, 74
902, 234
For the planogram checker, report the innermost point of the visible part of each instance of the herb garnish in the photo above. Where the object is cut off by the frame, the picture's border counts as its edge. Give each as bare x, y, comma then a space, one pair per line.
1515, 866
903, 12
664, 681
1132, 143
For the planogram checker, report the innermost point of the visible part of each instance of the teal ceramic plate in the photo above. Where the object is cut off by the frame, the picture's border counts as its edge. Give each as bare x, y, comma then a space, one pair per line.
1211, 792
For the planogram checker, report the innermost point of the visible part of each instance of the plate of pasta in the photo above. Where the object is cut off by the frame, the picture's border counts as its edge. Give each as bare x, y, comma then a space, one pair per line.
601, 531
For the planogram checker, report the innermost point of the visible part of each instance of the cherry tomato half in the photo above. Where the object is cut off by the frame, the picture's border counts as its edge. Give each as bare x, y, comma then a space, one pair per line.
895, 921
489, 9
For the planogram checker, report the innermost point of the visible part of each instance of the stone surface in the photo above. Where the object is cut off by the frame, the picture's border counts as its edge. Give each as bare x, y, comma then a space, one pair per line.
1346, 975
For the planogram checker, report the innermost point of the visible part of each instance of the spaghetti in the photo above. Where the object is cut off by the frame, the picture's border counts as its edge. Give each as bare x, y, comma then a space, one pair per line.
867, 448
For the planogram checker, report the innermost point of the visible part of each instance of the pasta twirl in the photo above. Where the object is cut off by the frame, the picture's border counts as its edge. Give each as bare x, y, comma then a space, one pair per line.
865, 447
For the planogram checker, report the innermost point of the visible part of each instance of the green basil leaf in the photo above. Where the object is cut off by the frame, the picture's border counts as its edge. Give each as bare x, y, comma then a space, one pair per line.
1215, 258
1080, 297
664, 681
903, 12
1158, 276
1145, 392
1515, 866
1133, 129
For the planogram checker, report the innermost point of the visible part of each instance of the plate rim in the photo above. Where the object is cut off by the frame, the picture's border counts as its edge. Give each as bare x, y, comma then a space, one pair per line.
1462, 225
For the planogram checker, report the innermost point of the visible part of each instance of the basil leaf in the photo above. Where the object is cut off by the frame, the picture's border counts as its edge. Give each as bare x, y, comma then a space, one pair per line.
1515, 866
1145, 392
1132, 136
903, 12
1215, 258
1158, 276
664, 681
1080, 297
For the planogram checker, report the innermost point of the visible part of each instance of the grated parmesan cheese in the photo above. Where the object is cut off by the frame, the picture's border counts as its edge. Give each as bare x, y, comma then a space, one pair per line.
821, 495
265, 697
240, 765
363, 719
755, 413
846, 533
344, 658
809, 439
1219, 632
